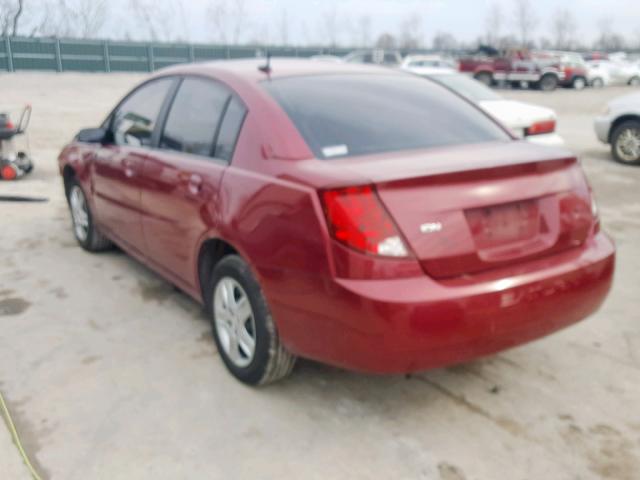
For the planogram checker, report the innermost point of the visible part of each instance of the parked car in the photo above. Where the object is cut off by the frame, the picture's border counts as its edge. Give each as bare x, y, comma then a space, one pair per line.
355, 215
597, 75
619, 126
512, 66
571, 64
428, 64
619, 72
376, 56
532, 122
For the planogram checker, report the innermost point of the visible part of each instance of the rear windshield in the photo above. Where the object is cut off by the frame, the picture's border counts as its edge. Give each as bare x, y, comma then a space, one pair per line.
357, 114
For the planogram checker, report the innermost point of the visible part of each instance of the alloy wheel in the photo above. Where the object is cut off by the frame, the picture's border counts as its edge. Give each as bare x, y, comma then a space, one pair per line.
628, 145
79, 213
234, 322
579, 84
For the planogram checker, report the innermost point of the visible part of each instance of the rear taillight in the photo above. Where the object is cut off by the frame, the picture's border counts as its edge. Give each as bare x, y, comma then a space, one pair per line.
357, 219
595, 212
538, 128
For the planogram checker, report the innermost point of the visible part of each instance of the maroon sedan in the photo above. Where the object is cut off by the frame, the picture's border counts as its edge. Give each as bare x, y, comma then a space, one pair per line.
354, 215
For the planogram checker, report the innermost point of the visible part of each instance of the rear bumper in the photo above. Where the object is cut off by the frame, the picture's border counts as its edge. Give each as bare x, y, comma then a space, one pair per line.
404, 325
549, 139
602, 126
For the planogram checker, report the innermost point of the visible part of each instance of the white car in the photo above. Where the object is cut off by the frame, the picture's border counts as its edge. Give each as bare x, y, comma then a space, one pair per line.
619, 126
428, 64
617, 72
531, 122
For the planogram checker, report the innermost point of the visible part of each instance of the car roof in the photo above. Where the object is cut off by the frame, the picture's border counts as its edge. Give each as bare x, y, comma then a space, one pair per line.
247, 70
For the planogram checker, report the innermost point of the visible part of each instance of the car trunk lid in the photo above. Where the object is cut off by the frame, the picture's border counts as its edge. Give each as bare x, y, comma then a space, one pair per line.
501, 205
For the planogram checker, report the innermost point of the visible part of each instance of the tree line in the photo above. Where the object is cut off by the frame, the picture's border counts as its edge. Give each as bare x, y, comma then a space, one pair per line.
233, 23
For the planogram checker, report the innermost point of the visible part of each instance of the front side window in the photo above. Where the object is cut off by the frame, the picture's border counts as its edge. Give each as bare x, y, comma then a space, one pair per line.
194, 117
355, 114
135, 119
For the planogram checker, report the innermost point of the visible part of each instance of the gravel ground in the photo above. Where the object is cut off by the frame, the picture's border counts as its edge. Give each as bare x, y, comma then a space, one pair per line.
111, 373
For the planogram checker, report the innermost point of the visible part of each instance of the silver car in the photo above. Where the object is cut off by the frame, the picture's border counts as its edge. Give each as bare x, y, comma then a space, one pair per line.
619, 125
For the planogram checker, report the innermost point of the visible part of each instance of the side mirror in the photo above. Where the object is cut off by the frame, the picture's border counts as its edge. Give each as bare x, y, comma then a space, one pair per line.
92, 135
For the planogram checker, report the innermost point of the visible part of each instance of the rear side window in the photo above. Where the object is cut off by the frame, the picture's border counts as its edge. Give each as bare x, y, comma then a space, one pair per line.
194, 117
135, 119
230, 129
346, 115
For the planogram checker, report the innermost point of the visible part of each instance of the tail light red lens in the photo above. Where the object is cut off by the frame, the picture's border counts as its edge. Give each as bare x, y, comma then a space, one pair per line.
538, 128
357, 219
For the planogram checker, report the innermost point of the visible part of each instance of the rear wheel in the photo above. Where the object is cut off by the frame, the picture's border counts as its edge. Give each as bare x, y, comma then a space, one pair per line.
634, 82
84, 229
579, 83
548, 82
597, 82
484, 77
625, 143
243, 327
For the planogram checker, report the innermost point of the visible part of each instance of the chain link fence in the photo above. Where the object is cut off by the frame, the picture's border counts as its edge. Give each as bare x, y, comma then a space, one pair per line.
62, 55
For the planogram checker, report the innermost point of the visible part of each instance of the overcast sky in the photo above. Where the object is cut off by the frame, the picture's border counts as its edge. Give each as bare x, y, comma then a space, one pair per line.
306, 19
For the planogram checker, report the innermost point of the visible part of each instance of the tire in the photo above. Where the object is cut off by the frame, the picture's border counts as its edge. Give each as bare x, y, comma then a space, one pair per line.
597, 82
548, 83
85, 231
634, 81
246, 313
579, 83
625, 143
485, 78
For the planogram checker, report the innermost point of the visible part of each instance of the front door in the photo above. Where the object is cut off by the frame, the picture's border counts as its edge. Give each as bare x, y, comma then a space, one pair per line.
117, 166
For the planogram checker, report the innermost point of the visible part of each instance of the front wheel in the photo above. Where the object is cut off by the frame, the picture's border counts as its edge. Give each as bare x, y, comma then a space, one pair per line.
243, 327
597, 82
84, 229
625, 143
579, 83
548, 83
485, 78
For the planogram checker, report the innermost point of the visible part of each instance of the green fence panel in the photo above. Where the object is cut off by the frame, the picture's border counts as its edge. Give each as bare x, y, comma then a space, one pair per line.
203, 53
4, 60
34, 54
128, 57
167, 55
19, 53
82, 56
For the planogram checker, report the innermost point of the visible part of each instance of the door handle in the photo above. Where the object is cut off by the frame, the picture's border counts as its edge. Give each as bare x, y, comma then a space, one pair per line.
193, 181
128, 166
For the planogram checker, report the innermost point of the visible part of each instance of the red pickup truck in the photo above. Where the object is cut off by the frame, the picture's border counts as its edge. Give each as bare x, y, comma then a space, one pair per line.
515, 66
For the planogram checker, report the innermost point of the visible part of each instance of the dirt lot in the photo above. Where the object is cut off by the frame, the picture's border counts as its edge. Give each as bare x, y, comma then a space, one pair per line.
111, 373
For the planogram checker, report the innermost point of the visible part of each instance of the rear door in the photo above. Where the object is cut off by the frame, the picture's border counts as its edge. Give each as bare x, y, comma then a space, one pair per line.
117, 167
180, 199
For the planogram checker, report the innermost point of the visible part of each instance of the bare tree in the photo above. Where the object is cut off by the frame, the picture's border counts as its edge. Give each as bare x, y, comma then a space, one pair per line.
330, 27
493, 23
10, 13
607, 40
89, 17
217, 13
563, 29
444, 42
526, 20
411, 32
284, 28
239, 15
386, 41
364, 27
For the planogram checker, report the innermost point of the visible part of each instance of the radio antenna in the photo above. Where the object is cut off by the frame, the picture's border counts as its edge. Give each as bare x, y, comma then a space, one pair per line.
266, 68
